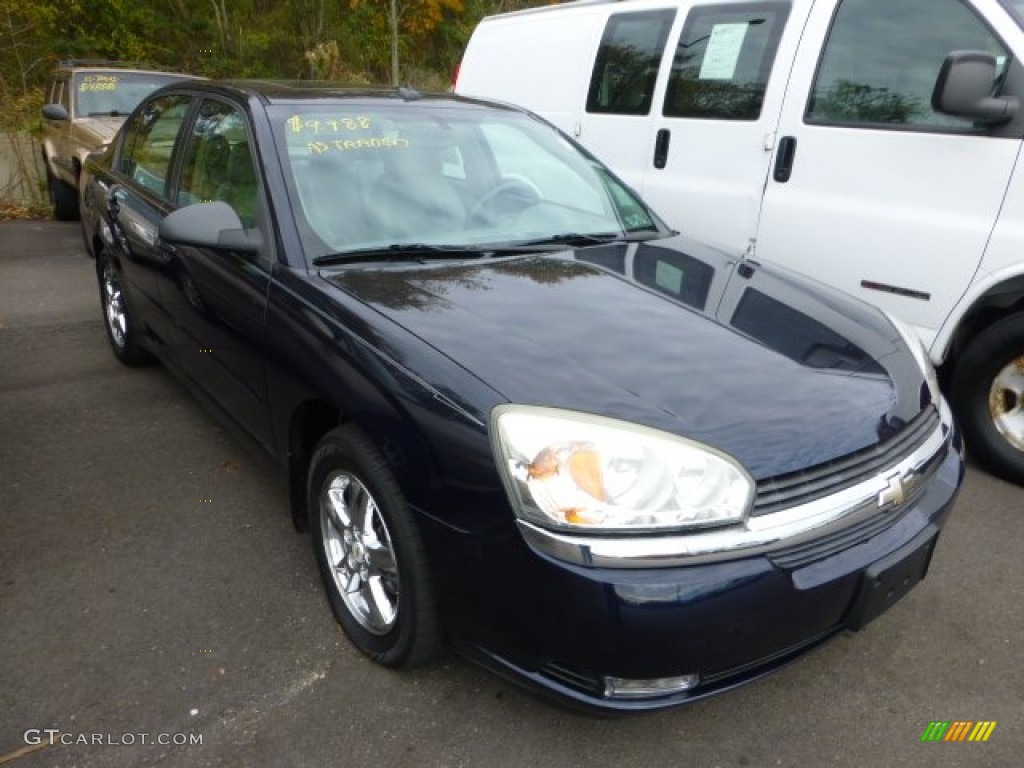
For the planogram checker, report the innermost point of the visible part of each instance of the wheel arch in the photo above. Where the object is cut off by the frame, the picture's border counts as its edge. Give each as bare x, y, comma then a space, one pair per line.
309, 422
402, 445
997, 301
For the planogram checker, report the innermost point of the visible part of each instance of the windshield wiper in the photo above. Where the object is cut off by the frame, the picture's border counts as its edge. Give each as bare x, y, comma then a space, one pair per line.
583, 239
400, 252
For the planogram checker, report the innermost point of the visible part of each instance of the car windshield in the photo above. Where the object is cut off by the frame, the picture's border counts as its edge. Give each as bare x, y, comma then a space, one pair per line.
460, 176
115, 93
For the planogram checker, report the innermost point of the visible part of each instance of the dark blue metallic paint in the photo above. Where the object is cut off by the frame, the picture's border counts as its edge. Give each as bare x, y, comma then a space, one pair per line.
644, 359
419, 355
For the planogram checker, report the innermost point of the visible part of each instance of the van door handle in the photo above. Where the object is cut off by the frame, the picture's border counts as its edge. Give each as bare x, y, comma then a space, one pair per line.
661, 148
784, 159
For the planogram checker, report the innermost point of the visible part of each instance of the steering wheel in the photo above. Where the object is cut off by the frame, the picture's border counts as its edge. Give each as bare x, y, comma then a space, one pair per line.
509, 196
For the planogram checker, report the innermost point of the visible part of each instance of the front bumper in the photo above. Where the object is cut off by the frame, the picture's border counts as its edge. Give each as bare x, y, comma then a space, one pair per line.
563, 627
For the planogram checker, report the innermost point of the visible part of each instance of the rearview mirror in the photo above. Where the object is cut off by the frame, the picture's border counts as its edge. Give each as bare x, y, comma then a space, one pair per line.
210, 225
964, 89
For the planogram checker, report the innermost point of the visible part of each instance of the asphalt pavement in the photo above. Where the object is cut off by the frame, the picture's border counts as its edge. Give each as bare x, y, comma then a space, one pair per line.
154, 595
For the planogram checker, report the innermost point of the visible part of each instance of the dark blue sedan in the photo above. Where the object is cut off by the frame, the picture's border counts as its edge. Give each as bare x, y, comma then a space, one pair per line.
513, 408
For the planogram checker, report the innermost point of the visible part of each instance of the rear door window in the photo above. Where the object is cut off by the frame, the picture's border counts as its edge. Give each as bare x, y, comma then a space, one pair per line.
150, 139
627, 62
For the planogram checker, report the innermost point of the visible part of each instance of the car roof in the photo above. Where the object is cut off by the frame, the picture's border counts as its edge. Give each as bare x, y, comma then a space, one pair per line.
298, 91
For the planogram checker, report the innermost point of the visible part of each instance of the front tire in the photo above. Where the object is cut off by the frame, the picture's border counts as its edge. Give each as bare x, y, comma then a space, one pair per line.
369, 552
122, 330
988, 396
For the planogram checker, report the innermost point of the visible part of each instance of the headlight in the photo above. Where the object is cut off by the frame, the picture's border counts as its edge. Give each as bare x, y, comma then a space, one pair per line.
572, 470
920, 353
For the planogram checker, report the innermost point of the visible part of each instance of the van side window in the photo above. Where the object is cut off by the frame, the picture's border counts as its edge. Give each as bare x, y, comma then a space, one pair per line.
723, 60
627, 62
882, 57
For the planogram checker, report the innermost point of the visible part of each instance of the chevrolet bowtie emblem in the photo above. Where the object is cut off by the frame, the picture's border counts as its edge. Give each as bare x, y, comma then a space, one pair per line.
897, 489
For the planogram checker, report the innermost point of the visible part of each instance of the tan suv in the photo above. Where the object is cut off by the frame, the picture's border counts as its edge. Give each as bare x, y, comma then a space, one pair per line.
86, 103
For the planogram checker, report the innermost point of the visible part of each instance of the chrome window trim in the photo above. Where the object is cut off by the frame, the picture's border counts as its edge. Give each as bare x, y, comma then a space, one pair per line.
756, 535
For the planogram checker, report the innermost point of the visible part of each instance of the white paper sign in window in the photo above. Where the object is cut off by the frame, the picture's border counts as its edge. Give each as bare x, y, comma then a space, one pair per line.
723, 51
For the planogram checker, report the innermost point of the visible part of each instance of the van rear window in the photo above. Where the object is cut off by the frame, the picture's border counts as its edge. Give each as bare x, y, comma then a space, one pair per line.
723, 60
627, 62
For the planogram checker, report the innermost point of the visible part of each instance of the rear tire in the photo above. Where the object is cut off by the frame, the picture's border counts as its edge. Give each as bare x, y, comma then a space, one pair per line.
370, 554
63, 197
987, 393
123, 331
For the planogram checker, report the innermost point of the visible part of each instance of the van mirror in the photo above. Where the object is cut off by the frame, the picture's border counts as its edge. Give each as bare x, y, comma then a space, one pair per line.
964, 89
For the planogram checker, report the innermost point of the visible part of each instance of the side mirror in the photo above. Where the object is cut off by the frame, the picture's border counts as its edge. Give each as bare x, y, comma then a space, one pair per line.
964, 89
210, 225
55, 112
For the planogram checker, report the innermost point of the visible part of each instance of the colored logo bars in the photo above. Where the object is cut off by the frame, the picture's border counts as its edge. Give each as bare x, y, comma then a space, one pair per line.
958, 730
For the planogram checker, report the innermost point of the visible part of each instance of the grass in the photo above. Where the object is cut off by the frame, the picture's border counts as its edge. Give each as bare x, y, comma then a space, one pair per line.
14, 211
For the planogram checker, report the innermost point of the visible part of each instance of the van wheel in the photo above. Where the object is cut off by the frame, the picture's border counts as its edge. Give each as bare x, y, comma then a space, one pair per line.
369, 552
988, 397
63, 198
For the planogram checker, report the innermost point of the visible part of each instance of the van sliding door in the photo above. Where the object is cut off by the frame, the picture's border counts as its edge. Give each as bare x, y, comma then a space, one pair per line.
717, 106
616, 125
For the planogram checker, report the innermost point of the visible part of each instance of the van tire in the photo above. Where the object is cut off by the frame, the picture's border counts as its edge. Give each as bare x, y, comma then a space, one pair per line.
987, 392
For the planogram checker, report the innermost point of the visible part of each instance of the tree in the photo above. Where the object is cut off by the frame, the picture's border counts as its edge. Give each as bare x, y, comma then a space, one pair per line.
415, 16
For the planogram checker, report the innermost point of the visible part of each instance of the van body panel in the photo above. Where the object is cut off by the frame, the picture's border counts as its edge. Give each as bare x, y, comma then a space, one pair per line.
506, 64
906, 209
715, 196
1006, 247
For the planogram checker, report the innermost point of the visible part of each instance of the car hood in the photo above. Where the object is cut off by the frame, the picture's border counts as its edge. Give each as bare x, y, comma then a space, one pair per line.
794, 376
102, 128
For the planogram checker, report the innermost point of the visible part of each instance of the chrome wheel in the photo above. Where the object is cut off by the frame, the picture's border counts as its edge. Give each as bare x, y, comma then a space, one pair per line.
358, 549
1006, 402
113, 305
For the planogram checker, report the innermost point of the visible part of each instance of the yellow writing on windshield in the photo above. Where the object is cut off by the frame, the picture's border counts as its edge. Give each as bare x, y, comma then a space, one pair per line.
99, 83
298, 124
348, 145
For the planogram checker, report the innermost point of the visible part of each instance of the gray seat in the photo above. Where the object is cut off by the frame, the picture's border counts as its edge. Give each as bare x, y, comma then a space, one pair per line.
411, 198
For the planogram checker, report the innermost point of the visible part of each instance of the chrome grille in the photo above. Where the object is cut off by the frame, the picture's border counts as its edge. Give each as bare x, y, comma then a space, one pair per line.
803, 486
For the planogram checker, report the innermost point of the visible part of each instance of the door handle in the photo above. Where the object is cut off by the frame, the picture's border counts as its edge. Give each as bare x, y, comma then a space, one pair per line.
661, 148
115, 197
784, 159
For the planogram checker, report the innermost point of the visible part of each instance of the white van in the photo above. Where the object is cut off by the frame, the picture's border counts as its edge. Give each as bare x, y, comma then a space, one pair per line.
872, 144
